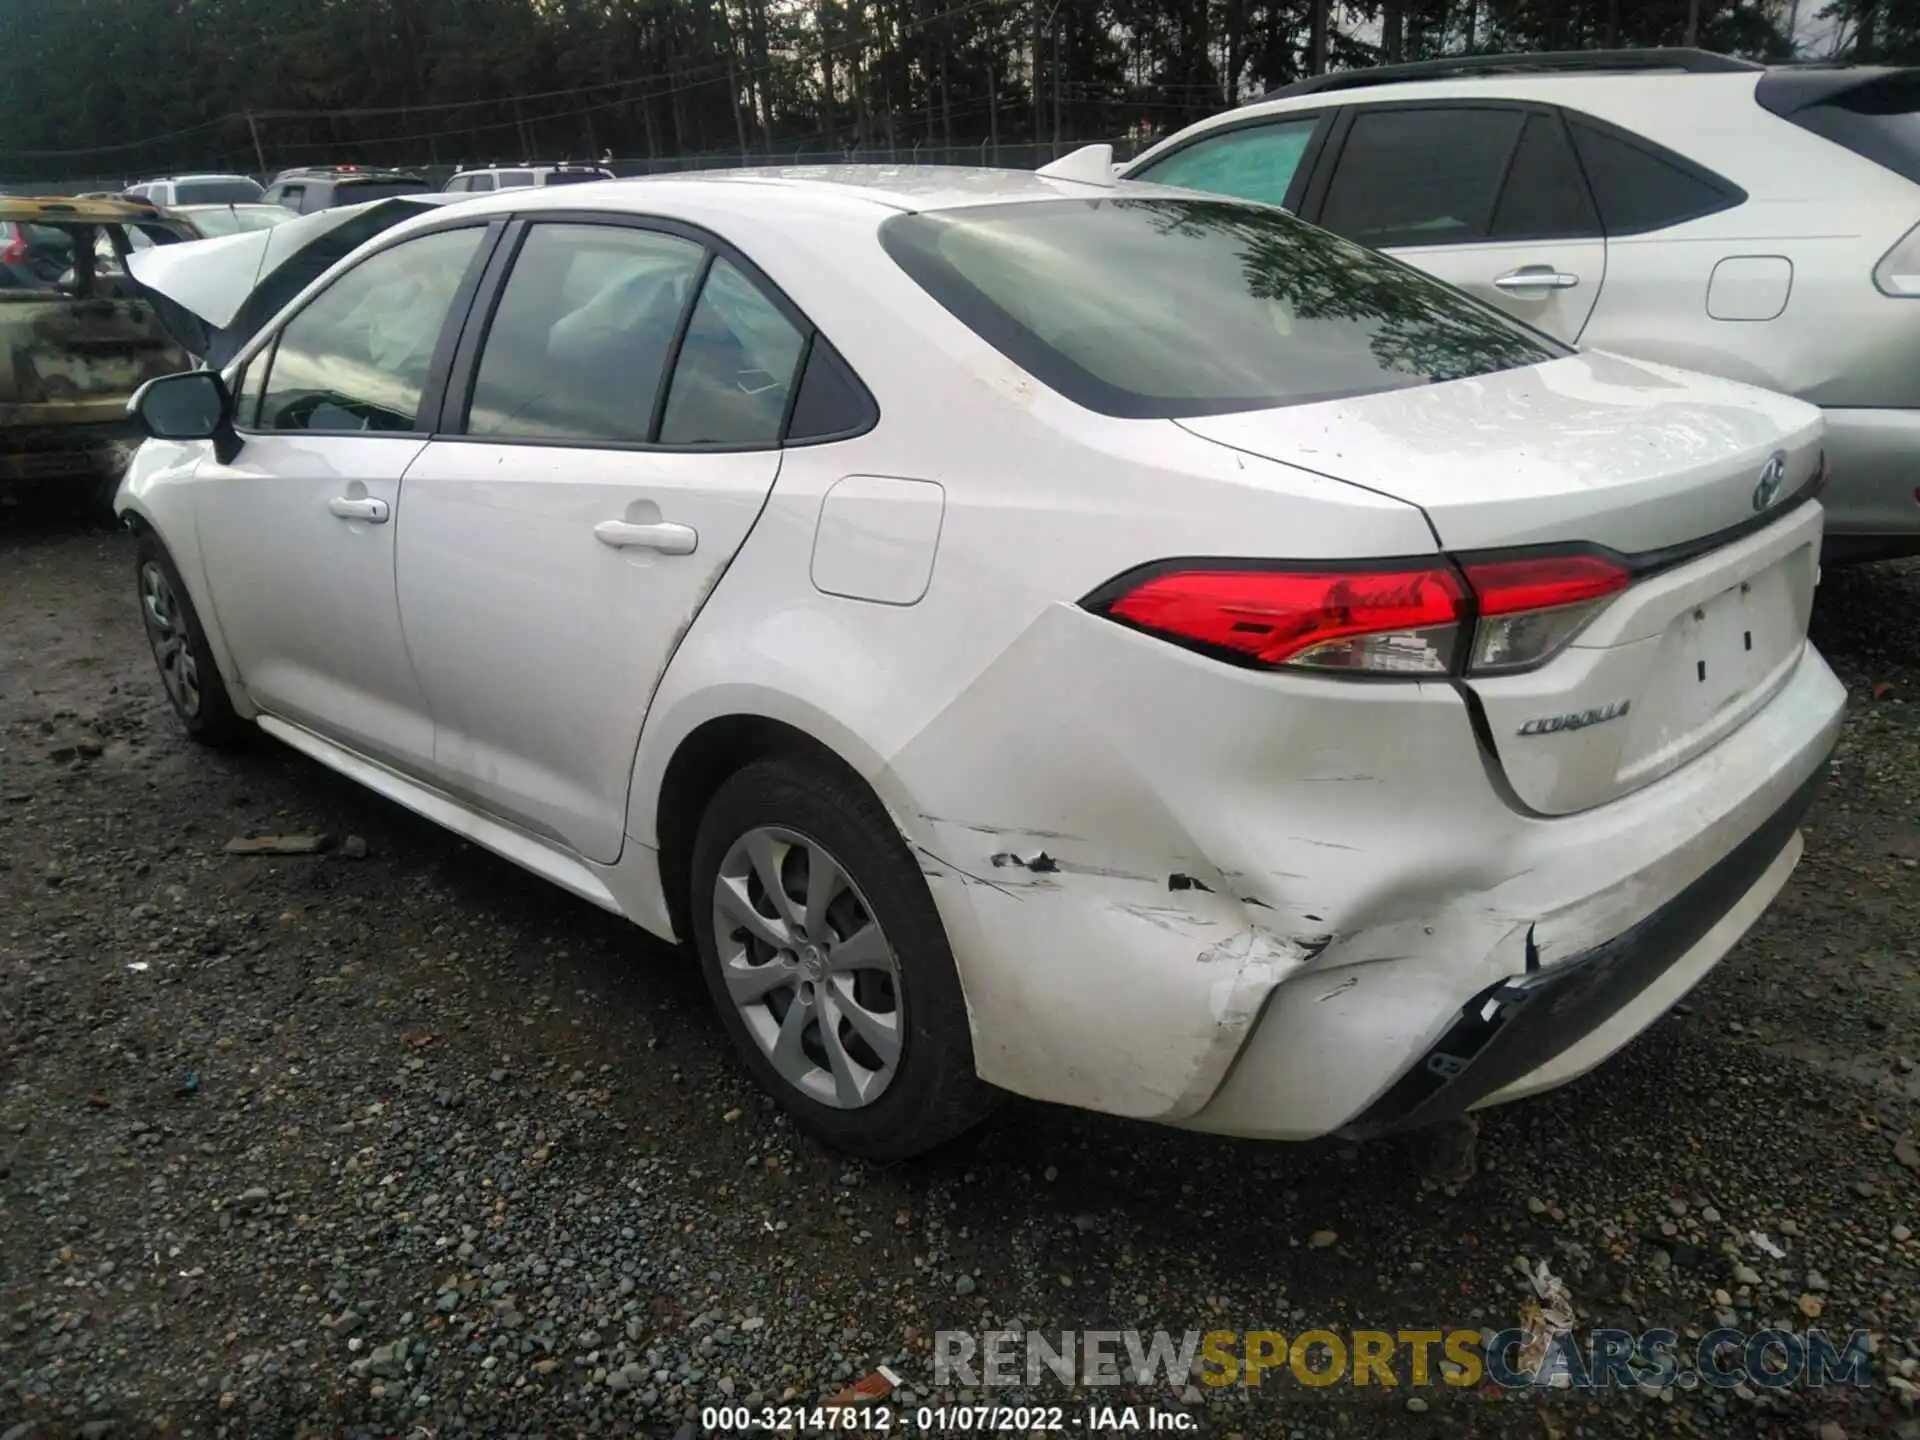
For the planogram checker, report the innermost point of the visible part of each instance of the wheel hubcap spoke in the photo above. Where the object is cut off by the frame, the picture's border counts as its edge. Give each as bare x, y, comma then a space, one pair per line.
730, 895
865, 949
789, 1058
850, 1080
881, 1032
824, 881
748, 983
766, 857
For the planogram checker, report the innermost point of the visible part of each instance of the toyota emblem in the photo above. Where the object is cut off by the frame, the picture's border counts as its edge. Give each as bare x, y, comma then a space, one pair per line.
1772, 475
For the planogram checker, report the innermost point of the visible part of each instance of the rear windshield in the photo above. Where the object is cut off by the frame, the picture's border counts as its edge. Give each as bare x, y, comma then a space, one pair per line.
237, 191
231, 220
1170, 307
1877, 118
354, 192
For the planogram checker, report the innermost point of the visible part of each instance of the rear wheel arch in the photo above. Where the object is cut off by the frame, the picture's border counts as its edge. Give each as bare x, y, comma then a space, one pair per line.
711, 754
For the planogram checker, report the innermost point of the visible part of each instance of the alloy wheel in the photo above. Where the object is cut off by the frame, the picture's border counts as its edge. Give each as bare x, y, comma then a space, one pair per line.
808, 967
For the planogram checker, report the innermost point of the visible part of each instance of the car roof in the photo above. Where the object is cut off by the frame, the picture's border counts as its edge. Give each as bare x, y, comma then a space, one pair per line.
890, 187
70, 209
1675, 98
222, 205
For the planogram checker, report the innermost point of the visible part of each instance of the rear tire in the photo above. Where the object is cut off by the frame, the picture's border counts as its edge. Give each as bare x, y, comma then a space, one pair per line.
193, 683
840, 991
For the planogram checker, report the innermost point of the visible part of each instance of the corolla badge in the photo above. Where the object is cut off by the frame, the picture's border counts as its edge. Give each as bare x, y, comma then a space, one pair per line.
1576, 720
1772, 476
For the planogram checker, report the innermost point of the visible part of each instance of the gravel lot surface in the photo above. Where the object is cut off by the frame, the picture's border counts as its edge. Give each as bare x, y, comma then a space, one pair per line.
395, 1140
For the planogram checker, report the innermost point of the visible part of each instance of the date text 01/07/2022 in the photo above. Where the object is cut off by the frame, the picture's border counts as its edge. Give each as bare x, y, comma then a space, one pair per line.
942, 1420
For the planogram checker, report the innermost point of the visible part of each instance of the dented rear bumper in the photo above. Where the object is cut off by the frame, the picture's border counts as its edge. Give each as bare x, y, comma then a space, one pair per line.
1518, 1026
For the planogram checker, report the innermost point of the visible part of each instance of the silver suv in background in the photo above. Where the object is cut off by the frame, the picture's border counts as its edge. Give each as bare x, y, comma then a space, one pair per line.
519, 177
1672, 205
197, 190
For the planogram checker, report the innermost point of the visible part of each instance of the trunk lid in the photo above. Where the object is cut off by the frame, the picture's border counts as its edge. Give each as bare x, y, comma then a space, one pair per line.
1592, 448
1672, 473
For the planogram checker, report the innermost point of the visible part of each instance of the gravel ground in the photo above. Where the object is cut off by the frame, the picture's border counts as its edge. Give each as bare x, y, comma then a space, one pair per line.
396, 1140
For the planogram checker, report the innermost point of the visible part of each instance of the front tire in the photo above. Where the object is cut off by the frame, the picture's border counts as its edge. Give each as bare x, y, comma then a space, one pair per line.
827, 960
193, 683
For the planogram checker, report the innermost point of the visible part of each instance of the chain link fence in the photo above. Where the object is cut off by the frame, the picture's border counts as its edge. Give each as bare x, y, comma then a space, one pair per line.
1020, 155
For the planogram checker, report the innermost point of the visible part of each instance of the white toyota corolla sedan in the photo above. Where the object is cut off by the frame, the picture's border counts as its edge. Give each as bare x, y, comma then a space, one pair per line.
1103, 643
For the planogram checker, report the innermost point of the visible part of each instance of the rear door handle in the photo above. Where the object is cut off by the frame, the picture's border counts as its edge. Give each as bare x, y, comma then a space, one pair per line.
359, 507
1535, 277
664, 536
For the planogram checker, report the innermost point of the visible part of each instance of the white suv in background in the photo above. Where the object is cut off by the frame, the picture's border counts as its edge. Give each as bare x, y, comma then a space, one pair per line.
1673, 205
520, 177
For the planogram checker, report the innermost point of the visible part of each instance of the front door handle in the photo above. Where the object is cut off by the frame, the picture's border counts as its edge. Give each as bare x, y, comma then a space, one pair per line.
1535, 277
359, 507
664, 536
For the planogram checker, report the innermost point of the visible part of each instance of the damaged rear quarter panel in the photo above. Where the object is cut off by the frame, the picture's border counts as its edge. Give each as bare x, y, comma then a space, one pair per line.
1155, 842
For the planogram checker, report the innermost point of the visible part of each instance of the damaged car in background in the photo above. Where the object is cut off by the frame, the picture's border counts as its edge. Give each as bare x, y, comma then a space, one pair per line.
1379, 711
76, 341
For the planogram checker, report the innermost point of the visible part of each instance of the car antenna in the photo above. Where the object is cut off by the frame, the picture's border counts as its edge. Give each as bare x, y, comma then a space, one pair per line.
1090, 165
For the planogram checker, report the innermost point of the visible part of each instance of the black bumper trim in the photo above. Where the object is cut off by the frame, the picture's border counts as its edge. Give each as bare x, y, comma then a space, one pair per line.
1514, 1027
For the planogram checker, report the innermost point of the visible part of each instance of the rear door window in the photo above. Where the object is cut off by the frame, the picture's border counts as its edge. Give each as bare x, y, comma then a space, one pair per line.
1420, 175
1545, 196
1639, 186
512, 179
580, 339
1169, 307
1259, 162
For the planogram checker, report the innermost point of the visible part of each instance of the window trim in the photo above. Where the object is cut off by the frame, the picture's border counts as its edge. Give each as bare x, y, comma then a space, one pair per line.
1326, 118
433, 389
457, 393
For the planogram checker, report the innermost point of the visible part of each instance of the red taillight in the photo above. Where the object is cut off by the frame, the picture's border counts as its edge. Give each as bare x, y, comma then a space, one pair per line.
1503, 587
1379, 621
1517, 613
1530, 609
15, 248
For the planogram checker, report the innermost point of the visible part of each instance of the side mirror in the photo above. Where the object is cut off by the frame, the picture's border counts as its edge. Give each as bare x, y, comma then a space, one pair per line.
191, 406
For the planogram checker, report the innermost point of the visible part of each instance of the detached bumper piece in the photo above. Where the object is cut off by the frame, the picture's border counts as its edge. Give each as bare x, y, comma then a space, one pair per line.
1518, 1025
